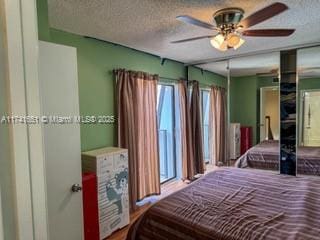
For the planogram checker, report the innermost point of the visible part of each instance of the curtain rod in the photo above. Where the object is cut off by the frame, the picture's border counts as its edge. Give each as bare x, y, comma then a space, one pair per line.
173, 79
182, 79
188, 81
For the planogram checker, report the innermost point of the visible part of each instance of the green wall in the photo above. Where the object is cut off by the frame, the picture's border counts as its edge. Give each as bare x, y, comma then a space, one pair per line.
245, 101
96, 60
206, 78
309, 83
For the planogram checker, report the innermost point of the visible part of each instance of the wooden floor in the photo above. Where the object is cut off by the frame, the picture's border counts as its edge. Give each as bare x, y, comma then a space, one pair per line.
166, 189
122, 233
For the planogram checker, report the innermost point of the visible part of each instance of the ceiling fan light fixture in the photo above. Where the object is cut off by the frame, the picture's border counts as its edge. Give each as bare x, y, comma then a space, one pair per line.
231, 27
219, 42
241, 41
233, 39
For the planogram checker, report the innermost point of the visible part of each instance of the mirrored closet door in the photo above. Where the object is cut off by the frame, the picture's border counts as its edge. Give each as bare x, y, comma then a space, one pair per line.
308, 105
254, 105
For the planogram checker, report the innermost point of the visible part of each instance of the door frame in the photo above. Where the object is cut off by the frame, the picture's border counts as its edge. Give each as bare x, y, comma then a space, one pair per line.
26, 141
301, 113
173, 130
262, 90
202, 125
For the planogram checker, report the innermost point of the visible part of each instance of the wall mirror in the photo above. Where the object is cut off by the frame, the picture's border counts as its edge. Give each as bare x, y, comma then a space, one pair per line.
254, 104
308, 109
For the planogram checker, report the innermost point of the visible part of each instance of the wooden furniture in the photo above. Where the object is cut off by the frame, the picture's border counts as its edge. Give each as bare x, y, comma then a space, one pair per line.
110, 164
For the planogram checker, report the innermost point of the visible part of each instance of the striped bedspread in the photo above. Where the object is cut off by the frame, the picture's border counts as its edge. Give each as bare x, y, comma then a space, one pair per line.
232, 203
265, 155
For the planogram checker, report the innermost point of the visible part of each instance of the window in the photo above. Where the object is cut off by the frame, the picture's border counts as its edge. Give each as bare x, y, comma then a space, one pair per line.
205, 106
166, 123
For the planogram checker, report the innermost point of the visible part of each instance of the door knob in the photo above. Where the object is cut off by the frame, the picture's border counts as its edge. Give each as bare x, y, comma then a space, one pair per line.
76, 188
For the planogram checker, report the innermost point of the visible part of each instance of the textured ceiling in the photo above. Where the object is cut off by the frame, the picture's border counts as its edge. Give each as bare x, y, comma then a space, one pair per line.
150, 25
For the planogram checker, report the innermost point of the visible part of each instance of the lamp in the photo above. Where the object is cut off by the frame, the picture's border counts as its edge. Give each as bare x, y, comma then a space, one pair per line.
219, 42
241, 41
233, 39
222, 43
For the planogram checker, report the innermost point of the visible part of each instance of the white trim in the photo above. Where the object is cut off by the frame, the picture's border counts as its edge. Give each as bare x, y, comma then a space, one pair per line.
36, 152
228, 111
18, 132
263, 89
25, 141
206, 161
300, 96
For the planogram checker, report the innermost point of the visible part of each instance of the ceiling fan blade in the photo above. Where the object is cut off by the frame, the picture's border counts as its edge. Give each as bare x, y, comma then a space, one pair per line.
272, 73
309, 77
266, 74
263, 14
192, 39
309, 72
310, 68
268, 32
196, 22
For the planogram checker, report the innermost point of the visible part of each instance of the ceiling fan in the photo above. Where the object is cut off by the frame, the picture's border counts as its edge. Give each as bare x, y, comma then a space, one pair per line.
230, 26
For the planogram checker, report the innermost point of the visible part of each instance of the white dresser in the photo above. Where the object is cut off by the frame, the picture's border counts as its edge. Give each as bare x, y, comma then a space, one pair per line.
234, 140
111, 167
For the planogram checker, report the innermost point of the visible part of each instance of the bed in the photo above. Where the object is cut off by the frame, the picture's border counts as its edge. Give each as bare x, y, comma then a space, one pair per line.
233, 203
265, 155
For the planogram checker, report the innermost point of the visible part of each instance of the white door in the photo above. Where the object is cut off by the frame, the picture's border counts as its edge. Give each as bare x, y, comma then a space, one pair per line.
269, 111
59, 96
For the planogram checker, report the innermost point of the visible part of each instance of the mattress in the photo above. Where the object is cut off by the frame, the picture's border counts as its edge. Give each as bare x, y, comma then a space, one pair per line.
265, 155
233, 203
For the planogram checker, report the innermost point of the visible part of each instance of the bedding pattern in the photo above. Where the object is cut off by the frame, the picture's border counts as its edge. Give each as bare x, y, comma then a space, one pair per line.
265, 155
232, 203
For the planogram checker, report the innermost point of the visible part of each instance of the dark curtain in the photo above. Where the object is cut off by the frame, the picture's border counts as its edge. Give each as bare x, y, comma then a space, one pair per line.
185, 132
196, 128
191, 132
